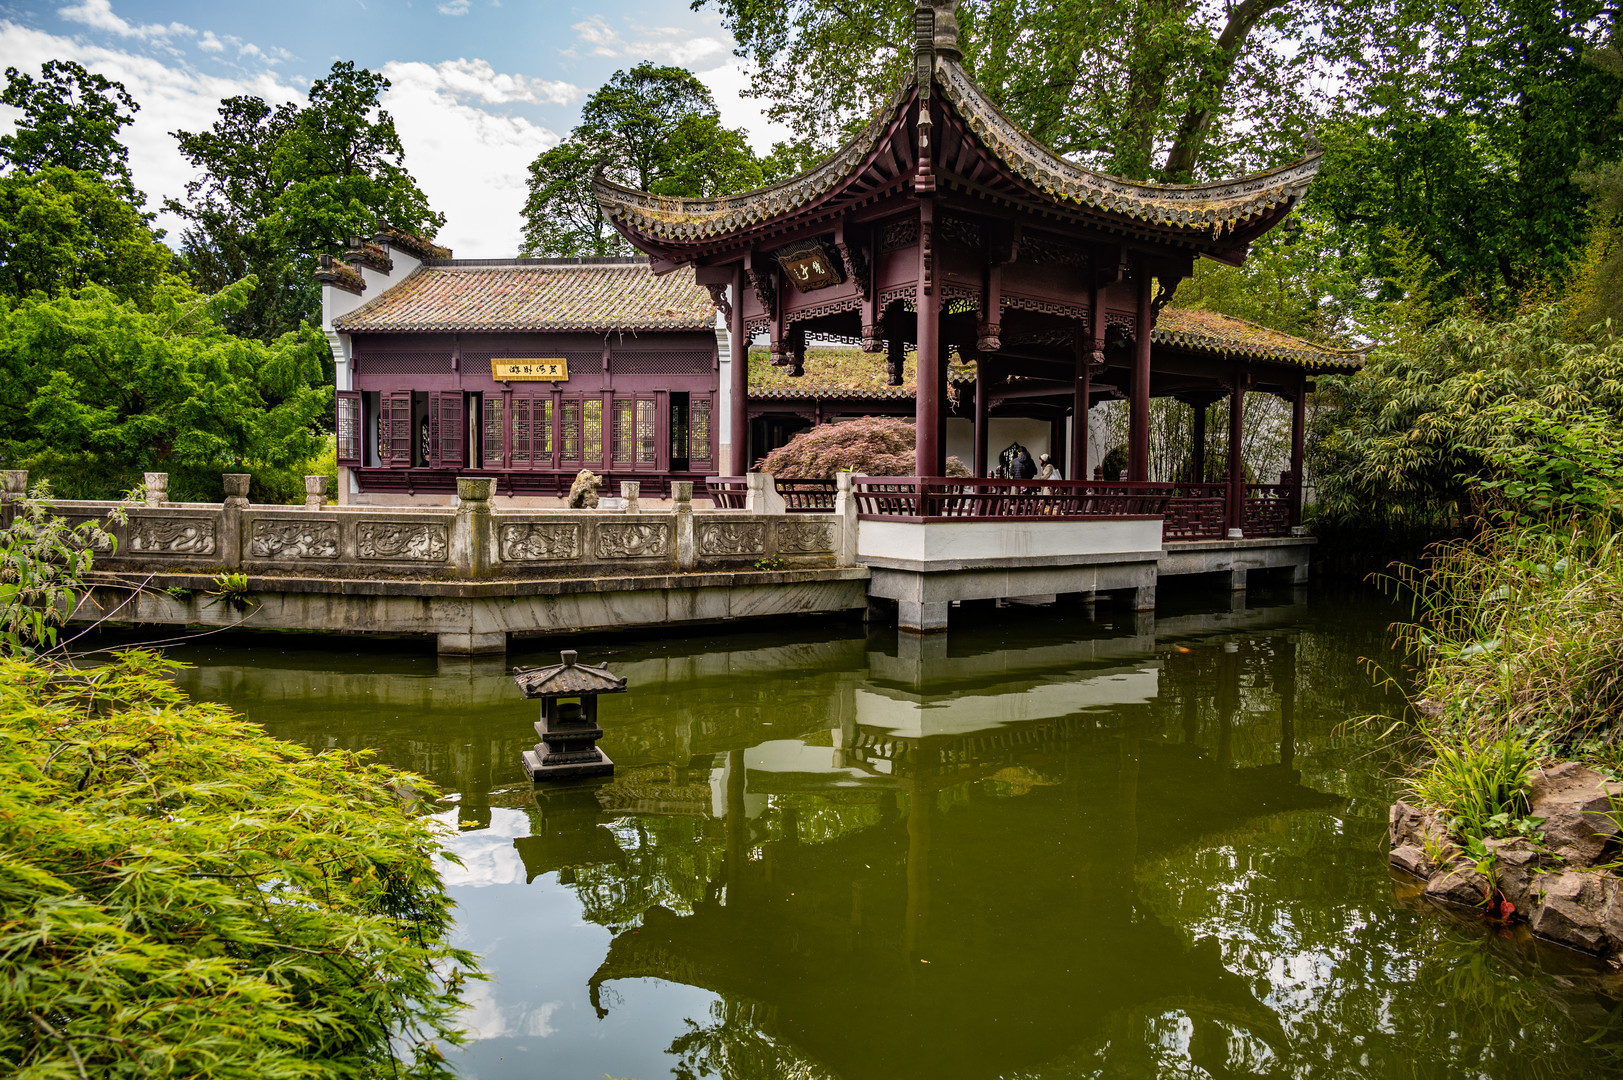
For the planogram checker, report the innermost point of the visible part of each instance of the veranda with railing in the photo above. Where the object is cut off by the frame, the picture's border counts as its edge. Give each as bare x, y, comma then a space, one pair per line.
1188, 511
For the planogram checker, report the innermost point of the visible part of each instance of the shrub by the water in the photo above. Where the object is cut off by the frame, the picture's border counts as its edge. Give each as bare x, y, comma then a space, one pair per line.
184, 896
871, 446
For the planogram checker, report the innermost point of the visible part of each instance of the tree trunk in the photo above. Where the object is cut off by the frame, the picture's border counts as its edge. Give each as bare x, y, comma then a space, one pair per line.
1190, 140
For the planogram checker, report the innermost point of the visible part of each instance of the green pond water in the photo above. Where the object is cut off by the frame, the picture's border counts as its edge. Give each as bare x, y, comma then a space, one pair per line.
1056, 844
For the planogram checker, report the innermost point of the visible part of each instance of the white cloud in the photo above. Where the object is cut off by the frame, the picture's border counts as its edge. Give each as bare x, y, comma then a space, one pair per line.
736, 111
455, 7
209, 43
98, 15
472, 163
666, 44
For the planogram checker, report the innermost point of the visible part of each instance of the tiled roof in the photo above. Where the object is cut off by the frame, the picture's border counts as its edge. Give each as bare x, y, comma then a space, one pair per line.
1208, 331
1212, 208
833, 374
535, 295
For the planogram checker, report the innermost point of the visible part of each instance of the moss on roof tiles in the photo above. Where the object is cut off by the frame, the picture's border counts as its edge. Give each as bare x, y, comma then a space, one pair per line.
535, 295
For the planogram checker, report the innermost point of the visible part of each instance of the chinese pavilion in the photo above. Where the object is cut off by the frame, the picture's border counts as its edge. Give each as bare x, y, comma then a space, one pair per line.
945, 228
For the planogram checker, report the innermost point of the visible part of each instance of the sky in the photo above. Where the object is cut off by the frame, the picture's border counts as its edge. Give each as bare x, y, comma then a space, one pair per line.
480, 87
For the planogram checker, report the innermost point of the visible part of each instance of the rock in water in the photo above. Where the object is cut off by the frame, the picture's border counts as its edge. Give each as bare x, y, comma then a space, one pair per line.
1570, 910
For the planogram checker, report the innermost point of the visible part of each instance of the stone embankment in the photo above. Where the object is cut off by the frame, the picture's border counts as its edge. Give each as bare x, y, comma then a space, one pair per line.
1562, 884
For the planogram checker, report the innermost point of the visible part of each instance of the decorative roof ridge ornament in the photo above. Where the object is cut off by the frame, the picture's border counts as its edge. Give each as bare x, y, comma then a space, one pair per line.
932, 19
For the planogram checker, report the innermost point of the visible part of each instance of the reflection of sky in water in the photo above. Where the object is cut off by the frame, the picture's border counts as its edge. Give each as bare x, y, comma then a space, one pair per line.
1123, 860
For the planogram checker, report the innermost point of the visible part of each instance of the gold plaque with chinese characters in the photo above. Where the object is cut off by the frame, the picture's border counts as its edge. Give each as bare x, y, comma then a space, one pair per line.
551, 369
808, 267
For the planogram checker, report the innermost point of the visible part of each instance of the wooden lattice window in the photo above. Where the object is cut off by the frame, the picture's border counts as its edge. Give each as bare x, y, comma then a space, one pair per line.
445, 435
570, 425
347, 426
647, 429
625, 431
394, 429
494, 430
700, 446
532, 432
592, 429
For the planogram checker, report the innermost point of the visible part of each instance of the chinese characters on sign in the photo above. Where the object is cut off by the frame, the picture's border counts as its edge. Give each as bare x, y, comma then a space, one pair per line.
551, 369
809, 267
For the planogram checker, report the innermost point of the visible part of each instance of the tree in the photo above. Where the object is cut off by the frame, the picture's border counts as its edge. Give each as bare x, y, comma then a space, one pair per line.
1597, 293
62, 229
89, 377
1172, 89
653, 128
70, 119
871, 446
279, 186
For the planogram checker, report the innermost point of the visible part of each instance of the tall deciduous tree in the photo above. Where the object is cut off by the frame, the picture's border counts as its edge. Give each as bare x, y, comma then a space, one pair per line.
280, 185
62, 229
70, 119
654, 128
1172, 89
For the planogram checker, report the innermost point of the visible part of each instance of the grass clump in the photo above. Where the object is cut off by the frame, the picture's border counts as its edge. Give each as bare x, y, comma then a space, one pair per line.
184, 896
1480, 786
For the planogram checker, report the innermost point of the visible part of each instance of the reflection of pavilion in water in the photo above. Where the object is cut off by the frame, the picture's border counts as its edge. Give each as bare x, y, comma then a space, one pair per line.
943, 881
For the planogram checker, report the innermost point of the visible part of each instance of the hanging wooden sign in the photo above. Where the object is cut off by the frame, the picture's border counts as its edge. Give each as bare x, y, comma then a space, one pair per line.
550, 369
809, 267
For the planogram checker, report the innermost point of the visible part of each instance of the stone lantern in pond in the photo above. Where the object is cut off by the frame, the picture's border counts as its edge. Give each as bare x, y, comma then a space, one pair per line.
568, 726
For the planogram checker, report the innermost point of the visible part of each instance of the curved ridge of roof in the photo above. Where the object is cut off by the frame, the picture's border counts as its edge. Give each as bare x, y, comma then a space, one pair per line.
1218, 205
674, 217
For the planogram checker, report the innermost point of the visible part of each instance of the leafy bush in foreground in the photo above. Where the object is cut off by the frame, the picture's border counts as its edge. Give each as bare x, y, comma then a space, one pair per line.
872, 446
183, 896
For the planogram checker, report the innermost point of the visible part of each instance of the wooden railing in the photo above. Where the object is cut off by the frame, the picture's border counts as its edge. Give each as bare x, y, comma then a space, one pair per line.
1268, 509
1197, 512
938, 497
799, 496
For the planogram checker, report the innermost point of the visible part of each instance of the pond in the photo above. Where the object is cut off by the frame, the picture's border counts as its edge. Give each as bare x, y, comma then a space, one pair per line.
1060, 843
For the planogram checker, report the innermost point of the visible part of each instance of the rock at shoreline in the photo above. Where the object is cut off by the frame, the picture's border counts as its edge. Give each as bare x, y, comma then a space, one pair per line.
1459, 883
1570, 909
1418, 835
1574, 801
1516, 862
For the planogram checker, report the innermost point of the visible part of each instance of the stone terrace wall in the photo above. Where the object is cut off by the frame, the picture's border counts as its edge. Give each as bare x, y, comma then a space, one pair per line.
469, 541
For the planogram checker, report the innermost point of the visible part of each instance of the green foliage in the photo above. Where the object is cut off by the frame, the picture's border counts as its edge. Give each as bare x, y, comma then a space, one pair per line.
1111, 82
61, 230
184, 896
1481, 786
1545, 466
1415, 436
871, 446
1597, 286
280, 186
86, 375
70, 120
43, 561
654, 128
1519, 634
231, 589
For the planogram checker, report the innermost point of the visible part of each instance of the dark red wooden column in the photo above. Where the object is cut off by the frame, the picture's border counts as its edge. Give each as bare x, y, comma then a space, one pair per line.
1236, 495
1197, 449
1298, 439
1077, 467
982, 385
1138, 457
927, 403
738, 380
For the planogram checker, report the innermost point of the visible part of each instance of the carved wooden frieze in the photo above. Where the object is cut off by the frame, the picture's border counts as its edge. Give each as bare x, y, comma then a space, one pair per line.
293, 540
402, 541
898, 233
172, 535
539, 542
732, 538
633, 539
799, 537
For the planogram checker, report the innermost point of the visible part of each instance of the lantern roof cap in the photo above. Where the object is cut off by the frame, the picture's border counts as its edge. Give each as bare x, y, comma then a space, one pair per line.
568, 679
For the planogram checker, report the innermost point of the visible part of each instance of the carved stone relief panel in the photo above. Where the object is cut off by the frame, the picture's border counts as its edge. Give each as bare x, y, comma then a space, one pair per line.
171, 535
101, 546
732, 538
797, 537
633, 539
538, 542
293, 540
404, 541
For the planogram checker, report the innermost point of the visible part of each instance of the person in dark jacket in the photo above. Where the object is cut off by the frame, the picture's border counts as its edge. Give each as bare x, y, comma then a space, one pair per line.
1023, 468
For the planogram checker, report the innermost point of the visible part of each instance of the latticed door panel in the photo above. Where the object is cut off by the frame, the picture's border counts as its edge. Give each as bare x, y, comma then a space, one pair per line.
394, 429
647, 431
445, 434
494, 432
625, 431
701, 446
592, 429
569, 430
347, 426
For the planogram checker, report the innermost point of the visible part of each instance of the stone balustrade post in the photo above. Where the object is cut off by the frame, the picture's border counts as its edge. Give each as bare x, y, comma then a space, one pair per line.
315, 492
16, 490
629, 492
470, 534
845, 509
155, 488
761, 495
236, 501
687, 555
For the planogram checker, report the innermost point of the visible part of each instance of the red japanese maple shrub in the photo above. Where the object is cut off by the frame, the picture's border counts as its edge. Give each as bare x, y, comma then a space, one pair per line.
871, 446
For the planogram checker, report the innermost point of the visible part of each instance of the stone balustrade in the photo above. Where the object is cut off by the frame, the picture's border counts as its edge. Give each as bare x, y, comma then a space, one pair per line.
471, 540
